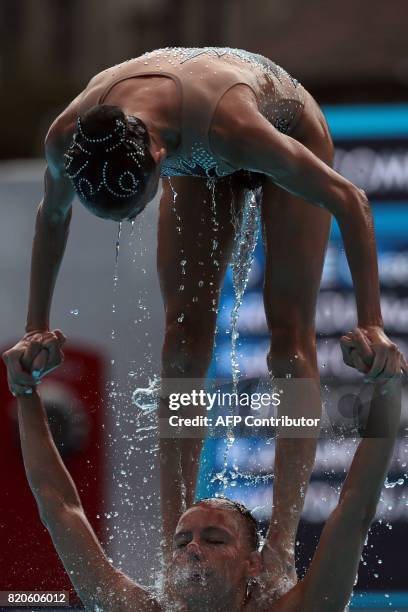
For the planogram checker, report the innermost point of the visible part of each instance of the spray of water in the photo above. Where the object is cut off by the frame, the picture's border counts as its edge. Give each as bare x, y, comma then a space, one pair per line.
246, 227
246, 236
116, 272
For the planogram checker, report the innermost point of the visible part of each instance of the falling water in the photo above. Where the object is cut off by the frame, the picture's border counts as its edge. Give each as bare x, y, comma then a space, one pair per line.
246, 236
174, 193
117, 246
214, 228
146, 399
246, 228
115, 271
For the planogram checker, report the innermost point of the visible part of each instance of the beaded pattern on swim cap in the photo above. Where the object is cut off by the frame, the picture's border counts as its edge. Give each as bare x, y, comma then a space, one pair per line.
135, 155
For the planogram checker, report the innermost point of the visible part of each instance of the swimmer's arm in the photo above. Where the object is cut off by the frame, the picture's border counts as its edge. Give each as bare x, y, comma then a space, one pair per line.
61, 511
50, 238
331, 575
51, 233
258, 146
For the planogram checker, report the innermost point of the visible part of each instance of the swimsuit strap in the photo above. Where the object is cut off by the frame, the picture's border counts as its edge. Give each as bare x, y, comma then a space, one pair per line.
199, 98
201, 101
136, 73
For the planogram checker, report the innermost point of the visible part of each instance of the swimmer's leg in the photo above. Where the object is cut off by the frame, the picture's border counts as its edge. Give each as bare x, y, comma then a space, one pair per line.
295, 237
190, 300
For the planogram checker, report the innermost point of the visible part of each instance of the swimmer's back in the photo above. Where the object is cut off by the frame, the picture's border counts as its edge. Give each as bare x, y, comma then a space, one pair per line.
202, 77
209, 72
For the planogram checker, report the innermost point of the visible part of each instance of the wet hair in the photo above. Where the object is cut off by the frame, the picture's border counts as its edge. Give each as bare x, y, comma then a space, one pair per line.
232, 506
109, 160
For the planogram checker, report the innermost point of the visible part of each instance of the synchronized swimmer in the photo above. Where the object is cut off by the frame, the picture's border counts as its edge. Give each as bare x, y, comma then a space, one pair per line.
215, 563
187, 115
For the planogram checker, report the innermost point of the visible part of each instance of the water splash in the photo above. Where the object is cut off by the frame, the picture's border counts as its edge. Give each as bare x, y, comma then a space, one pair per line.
115, 273
246, 236
246, 227
117, 247
135, 429
174, 209
229, 478
211, 182
390, 485
146, 399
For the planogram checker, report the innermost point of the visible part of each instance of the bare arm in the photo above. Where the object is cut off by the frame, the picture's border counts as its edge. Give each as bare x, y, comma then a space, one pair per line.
95, 580
53, 220
332, 572
50, 237
258, 146
51, 233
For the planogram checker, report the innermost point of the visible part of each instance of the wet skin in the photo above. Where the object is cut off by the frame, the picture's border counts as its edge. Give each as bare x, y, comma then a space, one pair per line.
212, 560
295, 237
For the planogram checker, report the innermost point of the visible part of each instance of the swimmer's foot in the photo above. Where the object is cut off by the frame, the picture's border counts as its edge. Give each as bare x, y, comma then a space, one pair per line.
279, 574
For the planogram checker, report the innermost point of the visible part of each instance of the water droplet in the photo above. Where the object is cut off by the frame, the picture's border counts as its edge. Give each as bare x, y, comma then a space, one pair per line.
74, 312
391, 485
181, 318
117, 245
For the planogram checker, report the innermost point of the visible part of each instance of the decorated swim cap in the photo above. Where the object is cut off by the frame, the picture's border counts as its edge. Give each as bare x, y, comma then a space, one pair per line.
108, 155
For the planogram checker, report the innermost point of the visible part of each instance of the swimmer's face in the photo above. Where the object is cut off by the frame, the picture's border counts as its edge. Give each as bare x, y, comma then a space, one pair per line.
212, 559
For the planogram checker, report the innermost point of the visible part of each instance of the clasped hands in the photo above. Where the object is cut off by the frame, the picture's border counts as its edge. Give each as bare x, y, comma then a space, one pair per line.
370, 351
35, 355
367, 349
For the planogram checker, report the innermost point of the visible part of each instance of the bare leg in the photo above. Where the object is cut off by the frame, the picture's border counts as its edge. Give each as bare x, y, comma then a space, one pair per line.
190, 292
295, 236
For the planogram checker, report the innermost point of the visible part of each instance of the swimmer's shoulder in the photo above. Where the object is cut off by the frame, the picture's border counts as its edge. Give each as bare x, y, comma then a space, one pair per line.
128, 595
62, 129
58, 188
59, 137
292, 601
101, 82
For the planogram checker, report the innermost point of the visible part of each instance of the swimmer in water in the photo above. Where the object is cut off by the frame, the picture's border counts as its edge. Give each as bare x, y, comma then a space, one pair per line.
238, 119
215, 564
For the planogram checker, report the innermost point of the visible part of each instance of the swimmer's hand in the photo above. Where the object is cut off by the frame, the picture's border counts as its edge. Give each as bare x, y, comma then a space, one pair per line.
370, 351
34, 356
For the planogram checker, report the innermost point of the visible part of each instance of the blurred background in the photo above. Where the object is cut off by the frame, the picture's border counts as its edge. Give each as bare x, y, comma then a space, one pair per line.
343, 51
353, 58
